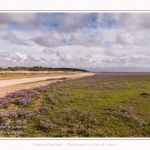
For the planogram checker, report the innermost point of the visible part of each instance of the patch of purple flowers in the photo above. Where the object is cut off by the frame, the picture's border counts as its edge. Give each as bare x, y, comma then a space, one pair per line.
17, 113
43, 88
128, 112
5, 121
24, 101
44, 108
50, 97
21, 122
21, 97
83, 113
46, 124
4, 101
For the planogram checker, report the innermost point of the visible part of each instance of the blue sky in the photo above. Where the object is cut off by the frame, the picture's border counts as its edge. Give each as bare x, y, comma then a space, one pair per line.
111, 41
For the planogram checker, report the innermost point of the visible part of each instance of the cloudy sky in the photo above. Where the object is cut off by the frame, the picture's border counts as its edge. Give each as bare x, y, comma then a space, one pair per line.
111, 41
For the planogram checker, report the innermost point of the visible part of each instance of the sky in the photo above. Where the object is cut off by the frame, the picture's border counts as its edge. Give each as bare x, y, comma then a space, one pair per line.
95, 41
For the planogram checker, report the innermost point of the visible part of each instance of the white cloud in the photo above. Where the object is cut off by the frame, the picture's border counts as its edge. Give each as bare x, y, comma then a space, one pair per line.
127, 20
133, 60
75, 39
6, 63
53, 36
22, 56
18, 59
5, 54
3, 26
110, 53
43, 60
128, 39
63, 56
31, 58
12, 56
125, 39
48, 51
85, 58
113, 54
42, 41
22, 18
80, 39
142, 42
86, 61
68, 22
51, 39
147, 53
10, 36
135, 20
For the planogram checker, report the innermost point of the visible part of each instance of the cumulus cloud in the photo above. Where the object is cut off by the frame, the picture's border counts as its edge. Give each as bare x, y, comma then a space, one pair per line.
21, 18
51, 39
31, 58
53, 35
63, 56
128, 20
128, 39
3, 26
132, 60
14, 56
88, 59
142, 42
85, 58
23, 56
68, 22
48, 51
125, 39
6, 63
77, 20
113, 54
85, 61
147, 53
80, 39
10, 36
9, 55
43, 60
8, 59
135, 20
43, 41
5, 54
110, 53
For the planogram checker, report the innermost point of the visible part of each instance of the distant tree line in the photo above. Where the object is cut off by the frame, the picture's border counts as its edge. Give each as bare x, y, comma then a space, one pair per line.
39, 68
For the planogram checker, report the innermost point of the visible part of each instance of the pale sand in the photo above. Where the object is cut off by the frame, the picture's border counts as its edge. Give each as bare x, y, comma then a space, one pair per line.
12, 85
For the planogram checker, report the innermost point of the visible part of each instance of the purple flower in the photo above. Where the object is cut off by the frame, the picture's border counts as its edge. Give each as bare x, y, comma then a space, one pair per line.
21, 122
18, 122
50, 96
13, 114
44, 108
6, 122
46, 124
66, 110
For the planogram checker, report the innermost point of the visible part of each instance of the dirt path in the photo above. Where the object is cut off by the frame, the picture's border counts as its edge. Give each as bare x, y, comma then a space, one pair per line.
7, 86
4, 83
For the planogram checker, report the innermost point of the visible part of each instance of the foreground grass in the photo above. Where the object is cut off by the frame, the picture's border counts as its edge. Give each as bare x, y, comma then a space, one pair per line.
96, 106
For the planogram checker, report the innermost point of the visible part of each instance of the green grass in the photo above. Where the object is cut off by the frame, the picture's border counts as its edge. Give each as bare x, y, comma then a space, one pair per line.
96, 106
